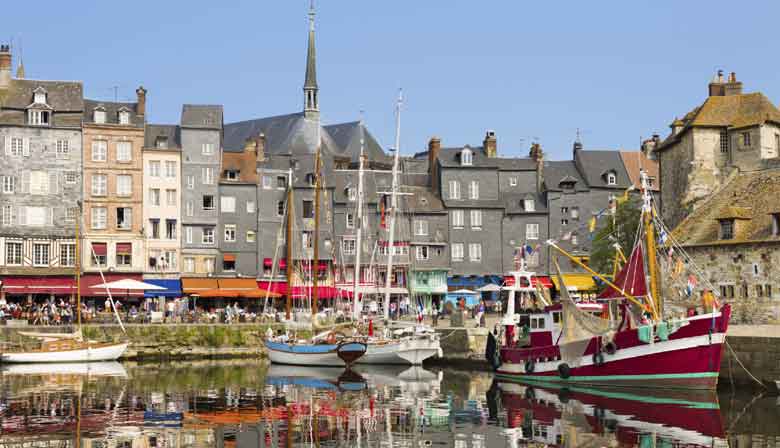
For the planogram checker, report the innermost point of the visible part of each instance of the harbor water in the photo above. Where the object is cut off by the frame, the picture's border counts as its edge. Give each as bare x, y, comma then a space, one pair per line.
248, 403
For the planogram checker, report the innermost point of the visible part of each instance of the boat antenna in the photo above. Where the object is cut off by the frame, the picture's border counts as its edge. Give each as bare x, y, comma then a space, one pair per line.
393, 205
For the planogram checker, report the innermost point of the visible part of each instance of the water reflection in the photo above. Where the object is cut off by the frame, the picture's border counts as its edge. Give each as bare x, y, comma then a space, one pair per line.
249, 404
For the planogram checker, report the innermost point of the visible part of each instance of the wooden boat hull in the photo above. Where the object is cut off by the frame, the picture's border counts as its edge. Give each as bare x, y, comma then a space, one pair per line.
689, 359
90, 353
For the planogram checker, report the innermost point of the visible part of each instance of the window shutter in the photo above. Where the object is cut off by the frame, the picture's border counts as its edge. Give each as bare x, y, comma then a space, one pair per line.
21, 215
8, 145
3, 145
26, 182
53, 182
26, 147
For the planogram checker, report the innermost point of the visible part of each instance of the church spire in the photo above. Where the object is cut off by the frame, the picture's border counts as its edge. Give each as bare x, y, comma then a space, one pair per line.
311, 105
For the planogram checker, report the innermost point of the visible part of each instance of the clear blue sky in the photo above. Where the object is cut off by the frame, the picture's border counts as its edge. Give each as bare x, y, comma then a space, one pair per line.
616, 69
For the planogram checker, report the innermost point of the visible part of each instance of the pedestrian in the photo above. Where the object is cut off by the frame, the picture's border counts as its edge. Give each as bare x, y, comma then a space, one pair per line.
480, 312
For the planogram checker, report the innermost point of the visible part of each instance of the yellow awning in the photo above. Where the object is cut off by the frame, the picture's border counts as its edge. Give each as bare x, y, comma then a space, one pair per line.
576, 282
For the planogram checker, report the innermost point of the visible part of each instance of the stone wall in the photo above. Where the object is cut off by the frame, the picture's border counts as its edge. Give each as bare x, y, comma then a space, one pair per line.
758, 348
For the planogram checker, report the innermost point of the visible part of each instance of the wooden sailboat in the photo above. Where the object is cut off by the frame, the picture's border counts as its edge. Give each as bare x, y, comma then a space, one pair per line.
69, 347
624, 339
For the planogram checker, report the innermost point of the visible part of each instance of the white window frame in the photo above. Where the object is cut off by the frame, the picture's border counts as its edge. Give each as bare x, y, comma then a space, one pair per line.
188, 235
99, 184
41, 259
513, 181
348, 246
6, 219
99, 116
529, 205
189, 264
170, 197
63, 148
13, 253
474, 189
456, 252
190, 182
230, 233
227, 204
9, 184
189, 208
421, 227
124, 190
454, 190
251, 208
124, 117
475, 252
207, 175
124, 151
128, 220
171, 169
207, 235
99, 218
458, 217
154, 197
67, 255
154, 168
611, 178
349, 220
532, 231
99, 150
475, 219
422, 253
16, 146
466, 157
268, 182
207, 149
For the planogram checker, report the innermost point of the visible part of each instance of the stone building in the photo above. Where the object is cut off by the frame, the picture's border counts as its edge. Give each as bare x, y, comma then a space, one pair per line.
729, 132
201, 160
113, 240
40, 176
162, 202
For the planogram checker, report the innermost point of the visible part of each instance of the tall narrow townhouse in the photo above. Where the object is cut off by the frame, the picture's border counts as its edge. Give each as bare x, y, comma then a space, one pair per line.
201, 152
162, 202
40, 185
113, 184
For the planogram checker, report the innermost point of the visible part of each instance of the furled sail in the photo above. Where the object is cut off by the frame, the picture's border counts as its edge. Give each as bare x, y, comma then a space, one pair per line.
631, 278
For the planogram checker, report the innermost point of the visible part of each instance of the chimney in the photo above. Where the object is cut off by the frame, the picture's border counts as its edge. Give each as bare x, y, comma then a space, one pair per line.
434, 146
5, 66
260, 148
733, 87
537, 155
577, 147
717, 85
141, 107
490, 145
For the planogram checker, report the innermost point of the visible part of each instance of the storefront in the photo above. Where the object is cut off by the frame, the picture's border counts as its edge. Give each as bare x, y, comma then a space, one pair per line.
155, 300
94, 294
38, 288
580, 286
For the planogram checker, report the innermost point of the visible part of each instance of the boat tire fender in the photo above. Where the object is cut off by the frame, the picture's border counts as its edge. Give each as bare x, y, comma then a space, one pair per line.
530, 393
564, 370
598, 359
611, 348
529, 366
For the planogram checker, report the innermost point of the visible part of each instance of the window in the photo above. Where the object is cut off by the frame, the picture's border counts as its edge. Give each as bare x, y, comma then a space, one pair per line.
457, 251
310, 178
154, 196
208, 263
348, 246
565, 222
250, 207
746, 139
529, 205
190, 182
454, 189
35, 216
775, 224
207, 149
39, 95
474, 189
777, 142
466, 157
41, 254
574, 239
124, 151
230, 233
727, 229
154, 168
475, 252
124, 218
759, 290
228, 263
99, 116
208, 235
350, 220
727, 291
231, 174
457, 219
13, 254
99, 254
99, 150
421, 253
280, 208
9, 184
124, 185
154, 229
170, 229
611, 178
251, 236
724, 141
267, 182
71, 177
7, 216
575, 213
308, 209
768, 290
208, 202
63, 149
228, 204
161, 142
124, 254
532, 259
169, 259
188, 235
281, 182
124, 117
39, 182
307, 239
351, 193
38, 117
189, 208
512, 181
99, 218
532, 231
170, 197
189, 264
476, 219
420, 227
207, 174
170, 169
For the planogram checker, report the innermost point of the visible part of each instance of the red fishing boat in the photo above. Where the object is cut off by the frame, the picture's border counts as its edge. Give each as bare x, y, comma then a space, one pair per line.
625, 338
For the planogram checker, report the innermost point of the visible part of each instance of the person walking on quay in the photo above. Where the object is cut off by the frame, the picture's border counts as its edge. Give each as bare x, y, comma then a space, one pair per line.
480, 313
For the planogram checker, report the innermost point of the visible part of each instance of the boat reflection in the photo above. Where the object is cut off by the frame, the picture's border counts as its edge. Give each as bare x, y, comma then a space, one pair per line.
577, 416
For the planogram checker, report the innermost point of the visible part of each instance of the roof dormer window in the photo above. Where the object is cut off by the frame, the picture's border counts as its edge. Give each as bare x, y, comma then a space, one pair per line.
161, 142
611, 178
231, 174
124, 116
99, 115
466, 157
528, 205
38, 117
39, 96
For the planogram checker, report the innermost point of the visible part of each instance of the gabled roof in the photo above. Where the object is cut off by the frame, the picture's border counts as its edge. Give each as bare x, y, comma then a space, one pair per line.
634, 162
515, 203
62, 96
112, 110
171, 131
202, 116
558, 171
594, 166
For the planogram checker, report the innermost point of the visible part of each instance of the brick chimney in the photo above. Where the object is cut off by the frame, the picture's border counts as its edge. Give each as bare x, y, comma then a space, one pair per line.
434, 147
141, 107
260, 148
733, 87
5, 66
537, 155
490, 145
717, 85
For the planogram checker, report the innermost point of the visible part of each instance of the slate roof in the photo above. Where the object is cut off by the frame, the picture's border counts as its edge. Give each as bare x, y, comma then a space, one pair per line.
112, 112
201, 116
64, 97
514, 203
423, 200
557, 170
750, 197
450, 158
171, 131
634, 161
594, 165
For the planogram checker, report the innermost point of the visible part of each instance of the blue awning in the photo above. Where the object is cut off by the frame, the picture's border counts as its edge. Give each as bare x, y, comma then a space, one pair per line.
172, 288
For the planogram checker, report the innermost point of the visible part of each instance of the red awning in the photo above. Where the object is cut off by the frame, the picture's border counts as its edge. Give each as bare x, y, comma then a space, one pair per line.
89, 280
58, 285
267, 262
283, 263
228, 257
100, 249
124, 248
325, 292
535, 280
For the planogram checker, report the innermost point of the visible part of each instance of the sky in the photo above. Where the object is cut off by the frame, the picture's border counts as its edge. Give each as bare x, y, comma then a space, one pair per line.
530, 71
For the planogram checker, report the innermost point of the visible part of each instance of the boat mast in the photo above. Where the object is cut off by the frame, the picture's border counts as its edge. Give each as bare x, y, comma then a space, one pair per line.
393, 205
290, 217
359, 240
315, 268
78, 270
652, 263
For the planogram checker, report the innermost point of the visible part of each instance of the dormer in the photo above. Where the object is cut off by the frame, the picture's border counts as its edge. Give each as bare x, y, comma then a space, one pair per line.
528, 204
39, 112
99, 114
161, 142
40, 96
567, 183
123, 116
466, 157
231, 174
733, 222
351, 193
610, 177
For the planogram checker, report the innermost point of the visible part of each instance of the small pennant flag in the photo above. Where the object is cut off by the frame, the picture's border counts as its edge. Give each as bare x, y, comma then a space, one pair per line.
692, 282
592, 224
663, 236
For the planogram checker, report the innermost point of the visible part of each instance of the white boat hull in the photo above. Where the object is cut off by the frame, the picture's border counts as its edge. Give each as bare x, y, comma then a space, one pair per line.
98, 352
405, 352
328, 359
91, 369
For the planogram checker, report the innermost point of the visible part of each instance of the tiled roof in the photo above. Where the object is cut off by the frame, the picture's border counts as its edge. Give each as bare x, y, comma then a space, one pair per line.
750, 197
634, 161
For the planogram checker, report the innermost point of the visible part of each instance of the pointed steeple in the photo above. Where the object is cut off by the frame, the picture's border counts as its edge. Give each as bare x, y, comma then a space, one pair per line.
311, 106
20, 69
